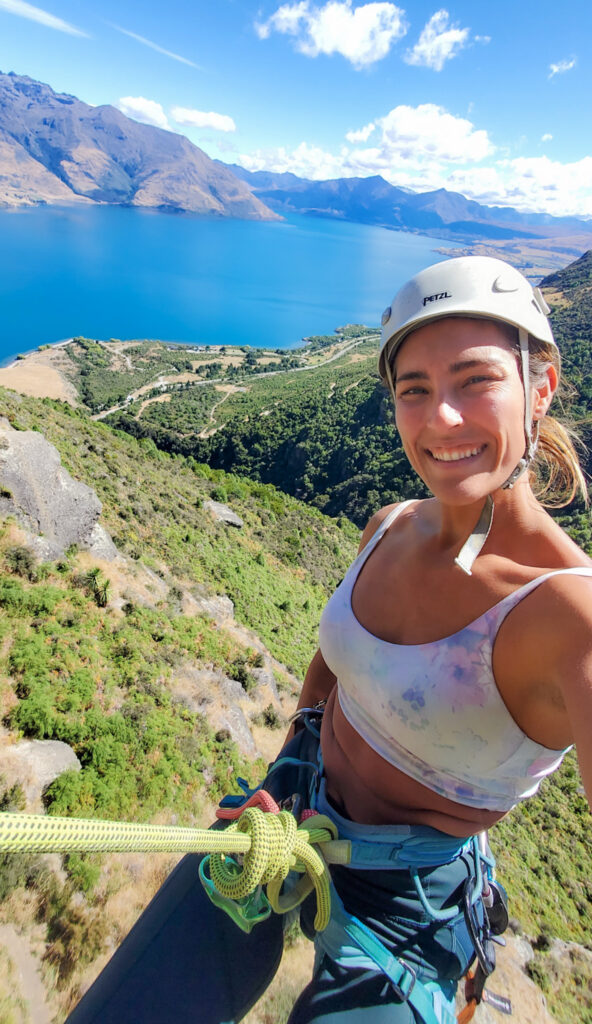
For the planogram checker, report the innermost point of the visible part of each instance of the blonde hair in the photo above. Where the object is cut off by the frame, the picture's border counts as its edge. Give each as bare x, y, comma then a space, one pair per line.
556, 474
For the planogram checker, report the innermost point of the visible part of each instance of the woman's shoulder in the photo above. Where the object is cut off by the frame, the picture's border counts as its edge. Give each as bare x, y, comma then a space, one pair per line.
377, 520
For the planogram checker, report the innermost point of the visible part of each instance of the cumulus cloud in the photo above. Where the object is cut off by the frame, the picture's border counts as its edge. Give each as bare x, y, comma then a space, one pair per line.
430, 131
531, 183
153, 46
425, 148
546, 137
146, 111
439, 41
415, 147
561, 67
305, 160
201, 119
24, 10
362, 135
363, 35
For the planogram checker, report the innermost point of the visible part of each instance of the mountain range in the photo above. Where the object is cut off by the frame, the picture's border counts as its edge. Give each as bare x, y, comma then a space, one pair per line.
56, 149
373, 200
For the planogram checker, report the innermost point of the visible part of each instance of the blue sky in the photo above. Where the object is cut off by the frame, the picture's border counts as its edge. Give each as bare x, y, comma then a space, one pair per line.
491, 100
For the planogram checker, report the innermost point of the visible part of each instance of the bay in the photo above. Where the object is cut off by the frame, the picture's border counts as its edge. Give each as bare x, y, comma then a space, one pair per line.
113, 272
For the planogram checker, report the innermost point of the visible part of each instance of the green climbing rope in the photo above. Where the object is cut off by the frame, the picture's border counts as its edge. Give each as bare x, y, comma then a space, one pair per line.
271, 844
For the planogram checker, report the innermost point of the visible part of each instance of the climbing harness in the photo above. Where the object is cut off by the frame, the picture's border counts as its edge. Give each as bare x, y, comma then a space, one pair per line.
286, 847
347, 940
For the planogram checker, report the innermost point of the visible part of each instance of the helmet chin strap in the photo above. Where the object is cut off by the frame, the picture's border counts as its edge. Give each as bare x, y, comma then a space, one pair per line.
476, 541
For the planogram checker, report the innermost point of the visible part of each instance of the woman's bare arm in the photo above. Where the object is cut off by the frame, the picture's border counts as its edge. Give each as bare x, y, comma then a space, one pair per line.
573, 666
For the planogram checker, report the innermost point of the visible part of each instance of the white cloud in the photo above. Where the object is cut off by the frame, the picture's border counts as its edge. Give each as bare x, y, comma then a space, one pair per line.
24, 10
363, 35
429, 131
146, 111
153, 46
546, 137
306, 161
201, 119
415, 147
561, 67
362, 135
426, 148
439, 41
530, 183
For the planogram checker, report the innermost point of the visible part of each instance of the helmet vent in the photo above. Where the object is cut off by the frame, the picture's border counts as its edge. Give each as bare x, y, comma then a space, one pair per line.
506, 282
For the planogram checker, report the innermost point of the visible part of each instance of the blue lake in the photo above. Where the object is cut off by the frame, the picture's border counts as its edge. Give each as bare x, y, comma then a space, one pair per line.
110, 272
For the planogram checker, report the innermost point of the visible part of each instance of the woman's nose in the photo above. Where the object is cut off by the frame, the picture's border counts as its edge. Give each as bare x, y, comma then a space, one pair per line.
447, 412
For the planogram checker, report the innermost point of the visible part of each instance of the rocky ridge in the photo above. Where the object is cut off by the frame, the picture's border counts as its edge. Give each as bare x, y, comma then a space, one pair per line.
56, 149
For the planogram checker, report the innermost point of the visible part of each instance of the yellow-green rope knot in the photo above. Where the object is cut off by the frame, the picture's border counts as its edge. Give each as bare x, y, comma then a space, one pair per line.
277, 846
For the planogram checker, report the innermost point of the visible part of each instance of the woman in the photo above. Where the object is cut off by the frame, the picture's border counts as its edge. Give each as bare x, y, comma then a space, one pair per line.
456, 655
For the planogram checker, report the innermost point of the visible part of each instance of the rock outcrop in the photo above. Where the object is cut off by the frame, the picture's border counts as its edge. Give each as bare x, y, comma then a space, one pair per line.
223, 514
34, 764
55, 510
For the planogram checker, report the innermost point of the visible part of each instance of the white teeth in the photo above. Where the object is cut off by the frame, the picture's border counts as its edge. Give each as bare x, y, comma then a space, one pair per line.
454, 456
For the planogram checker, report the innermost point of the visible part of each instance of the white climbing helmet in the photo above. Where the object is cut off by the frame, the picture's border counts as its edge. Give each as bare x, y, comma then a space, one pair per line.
471, 286
477, 287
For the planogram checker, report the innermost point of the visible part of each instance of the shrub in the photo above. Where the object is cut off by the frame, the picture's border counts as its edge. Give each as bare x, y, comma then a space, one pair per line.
21, 561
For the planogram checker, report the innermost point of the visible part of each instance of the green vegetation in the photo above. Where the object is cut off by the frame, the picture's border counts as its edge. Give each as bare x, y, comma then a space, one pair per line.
101, 683
278, 570
566, 981
105, 377
545, 859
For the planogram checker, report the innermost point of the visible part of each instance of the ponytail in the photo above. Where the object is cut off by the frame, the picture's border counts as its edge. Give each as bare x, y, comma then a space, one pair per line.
557, 476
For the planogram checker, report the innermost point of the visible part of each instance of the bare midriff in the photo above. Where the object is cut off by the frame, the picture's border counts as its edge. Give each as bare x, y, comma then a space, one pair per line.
365, 788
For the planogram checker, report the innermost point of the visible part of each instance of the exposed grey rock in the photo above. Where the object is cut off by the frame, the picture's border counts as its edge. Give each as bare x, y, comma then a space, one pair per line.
223, 514
99, 543
233, 719
54, 509
523, 951
35, 764
265, 677
215, 606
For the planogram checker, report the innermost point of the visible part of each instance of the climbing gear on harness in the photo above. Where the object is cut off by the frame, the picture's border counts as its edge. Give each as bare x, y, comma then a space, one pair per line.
478, 287
245, 912
346, 939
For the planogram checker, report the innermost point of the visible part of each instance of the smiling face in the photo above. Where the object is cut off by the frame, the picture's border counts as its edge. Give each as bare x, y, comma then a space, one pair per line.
459, 404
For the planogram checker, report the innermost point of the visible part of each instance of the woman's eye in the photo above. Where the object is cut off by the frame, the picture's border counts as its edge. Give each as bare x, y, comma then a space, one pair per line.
415, 390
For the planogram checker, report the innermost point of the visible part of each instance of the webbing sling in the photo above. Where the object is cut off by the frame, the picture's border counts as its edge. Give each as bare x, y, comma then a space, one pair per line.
401, 975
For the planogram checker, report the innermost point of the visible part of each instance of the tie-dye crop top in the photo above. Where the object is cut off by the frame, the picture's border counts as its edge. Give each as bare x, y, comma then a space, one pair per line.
433, 710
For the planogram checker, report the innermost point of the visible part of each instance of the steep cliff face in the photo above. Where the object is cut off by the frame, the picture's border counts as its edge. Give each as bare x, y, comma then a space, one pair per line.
55, 148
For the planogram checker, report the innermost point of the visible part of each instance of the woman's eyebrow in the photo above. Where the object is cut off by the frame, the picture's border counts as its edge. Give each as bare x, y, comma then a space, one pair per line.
411, 375
463, 364
470, 364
